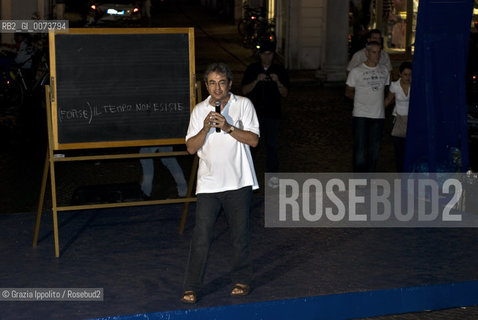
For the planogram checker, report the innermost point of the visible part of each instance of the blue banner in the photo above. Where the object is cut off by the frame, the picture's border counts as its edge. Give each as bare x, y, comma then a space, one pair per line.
437, 138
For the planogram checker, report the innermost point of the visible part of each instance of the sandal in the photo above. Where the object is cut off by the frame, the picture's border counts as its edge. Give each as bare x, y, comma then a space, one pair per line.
240, 289
189, 297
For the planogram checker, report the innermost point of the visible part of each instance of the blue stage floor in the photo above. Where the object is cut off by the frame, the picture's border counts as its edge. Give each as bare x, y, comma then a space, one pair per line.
137, 256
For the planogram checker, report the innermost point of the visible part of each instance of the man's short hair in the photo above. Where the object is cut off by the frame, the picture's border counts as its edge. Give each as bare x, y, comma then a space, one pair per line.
218, 67
377, 31
369, 45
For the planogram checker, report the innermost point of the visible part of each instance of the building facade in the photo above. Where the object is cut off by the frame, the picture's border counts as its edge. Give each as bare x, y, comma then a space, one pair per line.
321, 34
311, 34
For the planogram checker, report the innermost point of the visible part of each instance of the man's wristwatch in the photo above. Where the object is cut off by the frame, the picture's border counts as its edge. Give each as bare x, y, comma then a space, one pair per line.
231, 130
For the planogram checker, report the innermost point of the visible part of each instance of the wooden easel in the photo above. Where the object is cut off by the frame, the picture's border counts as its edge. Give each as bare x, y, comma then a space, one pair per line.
68, 52
49, 167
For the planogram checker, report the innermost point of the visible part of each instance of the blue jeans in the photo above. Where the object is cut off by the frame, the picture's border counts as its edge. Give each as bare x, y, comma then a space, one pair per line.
236, 205
367, 139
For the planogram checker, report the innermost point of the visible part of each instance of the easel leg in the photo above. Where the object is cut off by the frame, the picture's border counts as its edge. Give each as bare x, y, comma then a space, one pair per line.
40, 200
192, 178
54, 207
55, 233
49, 164
183, 217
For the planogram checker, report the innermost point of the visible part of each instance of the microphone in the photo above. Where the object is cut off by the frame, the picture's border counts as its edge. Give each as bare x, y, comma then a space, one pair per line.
217, 105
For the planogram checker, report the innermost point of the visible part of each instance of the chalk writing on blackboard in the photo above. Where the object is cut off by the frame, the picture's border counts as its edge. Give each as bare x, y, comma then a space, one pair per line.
90, 112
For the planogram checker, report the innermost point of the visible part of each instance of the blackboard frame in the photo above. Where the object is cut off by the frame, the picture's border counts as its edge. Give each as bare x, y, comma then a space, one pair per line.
55, 135
49, 169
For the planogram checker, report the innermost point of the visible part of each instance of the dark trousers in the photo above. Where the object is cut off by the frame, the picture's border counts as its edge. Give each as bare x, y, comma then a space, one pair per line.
236, 205
367, 139
399, 144
270, 131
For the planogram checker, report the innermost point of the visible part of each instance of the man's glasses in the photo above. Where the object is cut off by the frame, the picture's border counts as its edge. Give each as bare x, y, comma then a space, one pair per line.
221, 83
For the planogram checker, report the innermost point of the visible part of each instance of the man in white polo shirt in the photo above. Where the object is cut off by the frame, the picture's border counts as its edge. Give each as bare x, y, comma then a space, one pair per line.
226, 177
366, 86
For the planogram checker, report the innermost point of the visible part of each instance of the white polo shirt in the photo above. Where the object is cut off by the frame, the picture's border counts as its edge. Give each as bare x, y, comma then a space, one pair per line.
225, 163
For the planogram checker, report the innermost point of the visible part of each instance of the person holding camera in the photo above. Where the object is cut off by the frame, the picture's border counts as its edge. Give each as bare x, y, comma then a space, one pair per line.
266, 83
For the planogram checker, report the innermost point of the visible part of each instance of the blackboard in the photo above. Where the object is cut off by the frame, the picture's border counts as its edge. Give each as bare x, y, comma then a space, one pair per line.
121, 87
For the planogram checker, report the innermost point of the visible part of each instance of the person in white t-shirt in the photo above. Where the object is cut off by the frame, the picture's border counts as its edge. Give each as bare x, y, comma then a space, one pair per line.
366, 86
360, 56
226, 177
400, 92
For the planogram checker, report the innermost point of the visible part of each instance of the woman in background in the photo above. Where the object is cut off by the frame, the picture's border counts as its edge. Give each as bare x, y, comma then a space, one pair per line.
400, 92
